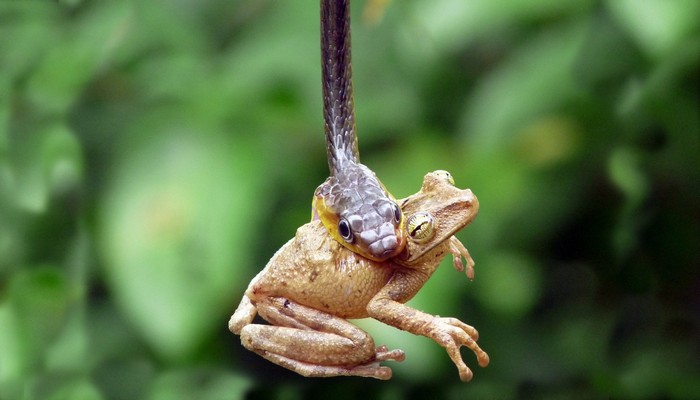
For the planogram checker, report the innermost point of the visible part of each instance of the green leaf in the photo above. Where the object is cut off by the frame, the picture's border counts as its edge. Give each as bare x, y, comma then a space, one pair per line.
77, 390
77, 54
11, 358
509, 284
178, 220
200, 383
517, 136
514, 94
46, 161
27, 31
626, 173
448, 22
37, 305
658, 26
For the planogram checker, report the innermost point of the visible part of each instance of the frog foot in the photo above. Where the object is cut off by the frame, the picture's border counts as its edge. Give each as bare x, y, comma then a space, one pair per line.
451, 334
384, 354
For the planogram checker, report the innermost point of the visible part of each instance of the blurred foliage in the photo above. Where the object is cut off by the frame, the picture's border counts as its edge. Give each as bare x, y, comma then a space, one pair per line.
154, 155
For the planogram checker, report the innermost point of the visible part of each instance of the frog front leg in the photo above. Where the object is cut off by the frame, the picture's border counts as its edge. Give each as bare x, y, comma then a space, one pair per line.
314, 343
458, 251
387, 306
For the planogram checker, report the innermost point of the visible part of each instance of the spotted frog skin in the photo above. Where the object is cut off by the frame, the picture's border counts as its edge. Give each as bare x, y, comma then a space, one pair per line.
312, 285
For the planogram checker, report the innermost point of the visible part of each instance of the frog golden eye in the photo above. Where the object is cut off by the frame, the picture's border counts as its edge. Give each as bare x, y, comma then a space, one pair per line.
421, 227
397, 213
344, 230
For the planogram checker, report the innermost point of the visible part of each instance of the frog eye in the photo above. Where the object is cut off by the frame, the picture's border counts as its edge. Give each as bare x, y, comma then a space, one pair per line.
397, 213
421, 227
344, 230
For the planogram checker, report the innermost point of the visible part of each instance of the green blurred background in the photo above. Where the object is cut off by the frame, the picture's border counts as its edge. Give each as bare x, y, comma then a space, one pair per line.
154, 155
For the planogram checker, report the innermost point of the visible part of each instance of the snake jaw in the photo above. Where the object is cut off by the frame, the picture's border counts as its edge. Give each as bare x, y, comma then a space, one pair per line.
375, 243
375, 237
384, 242
379, 234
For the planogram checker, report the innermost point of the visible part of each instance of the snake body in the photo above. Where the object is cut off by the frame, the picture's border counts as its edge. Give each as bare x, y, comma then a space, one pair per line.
352, 203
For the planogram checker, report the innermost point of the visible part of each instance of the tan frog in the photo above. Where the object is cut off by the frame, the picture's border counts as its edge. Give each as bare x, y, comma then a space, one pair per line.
313, 284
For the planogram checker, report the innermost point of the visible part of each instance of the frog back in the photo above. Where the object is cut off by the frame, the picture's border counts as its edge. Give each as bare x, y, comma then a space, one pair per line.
315, 270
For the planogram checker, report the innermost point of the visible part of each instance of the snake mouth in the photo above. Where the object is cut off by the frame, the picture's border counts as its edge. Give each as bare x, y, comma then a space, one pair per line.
387, 247
388, 253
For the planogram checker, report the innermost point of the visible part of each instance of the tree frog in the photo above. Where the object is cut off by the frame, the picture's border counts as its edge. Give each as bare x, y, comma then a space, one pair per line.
313, 285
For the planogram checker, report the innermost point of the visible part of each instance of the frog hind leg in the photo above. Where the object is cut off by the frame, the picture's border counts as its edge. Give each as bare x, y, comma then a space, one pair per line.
314, 343
243, 315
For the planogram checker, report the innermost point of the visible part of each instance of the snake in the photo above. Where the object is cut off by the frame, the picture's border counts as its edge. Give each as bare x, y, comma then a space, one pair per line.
353, 205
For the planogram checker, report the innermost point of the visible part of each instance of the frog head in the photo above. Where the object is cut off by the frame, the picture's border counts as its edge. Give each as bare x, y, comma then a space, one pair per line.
435, 214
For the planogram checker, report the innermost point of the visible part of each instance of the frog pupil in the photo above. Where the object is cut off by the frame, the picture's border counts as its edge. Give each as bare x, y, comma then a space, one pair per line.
417, 231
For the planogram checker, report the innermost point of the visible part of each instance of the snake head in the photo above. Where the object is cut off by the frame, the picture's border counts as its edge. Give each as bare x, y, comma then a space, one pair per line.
361, 214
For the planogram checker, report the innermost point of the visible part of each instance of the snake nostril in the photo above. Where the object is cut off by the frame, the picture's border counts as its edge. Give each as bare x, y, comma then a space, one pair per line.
387, 247
390, 243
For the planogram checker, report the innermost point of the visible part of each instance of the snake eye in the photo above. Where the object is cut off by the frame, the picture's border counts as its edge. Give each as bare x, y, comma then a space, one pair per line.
397, 213
421, 227
344, 230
